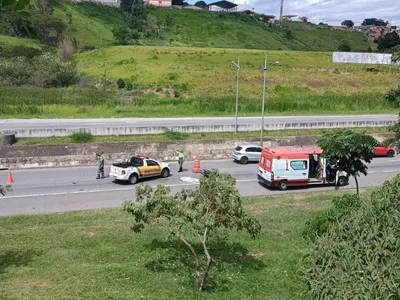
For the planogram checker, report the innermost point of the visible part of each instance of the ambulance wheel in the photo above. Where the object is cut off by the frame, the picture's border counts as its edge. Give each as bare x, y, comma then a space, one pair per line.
342, 181
133, 179
282, 186
244, 160
165, 173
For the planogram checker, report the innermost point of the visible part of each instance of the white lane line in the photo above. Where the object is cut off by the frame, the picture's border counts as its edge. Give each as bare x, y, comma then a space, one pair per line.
385, 171
102, 191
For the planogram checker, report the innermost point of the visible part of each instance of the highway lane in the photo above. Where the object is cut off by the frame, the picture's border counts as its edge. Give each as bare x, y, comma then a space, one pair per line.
14, 124
67, 189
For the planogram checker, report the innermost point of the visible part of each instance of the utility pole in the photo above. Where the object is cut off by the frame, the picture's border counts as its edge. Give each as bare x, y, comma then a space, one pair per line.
263, 97
280, 17
263, 101
237, 93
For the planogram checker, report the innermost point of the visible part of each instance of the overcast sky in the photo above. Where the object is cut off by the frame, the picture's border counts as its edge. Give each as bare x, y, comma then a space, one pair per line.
331, 11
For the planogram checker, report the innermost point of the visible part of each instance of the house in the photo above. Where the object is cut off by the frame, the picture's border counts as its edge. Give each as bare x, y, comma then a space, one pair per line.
162, 3
288, 17
223, 5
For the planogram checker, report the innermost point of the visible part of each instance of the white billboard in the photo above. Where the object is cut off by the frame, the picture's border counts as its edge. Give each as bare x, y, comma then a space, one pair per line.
362, 58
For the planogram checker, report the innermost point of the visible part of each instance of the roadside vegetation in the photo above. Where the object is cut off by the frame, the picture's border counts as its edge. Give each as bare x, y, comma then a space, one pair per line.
78, 138
102, 258
72, 56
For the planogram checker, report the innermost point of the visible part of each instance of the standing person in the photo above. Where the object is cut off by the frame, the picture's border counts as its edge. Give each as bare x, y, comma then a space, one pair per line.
100, 163
181, 158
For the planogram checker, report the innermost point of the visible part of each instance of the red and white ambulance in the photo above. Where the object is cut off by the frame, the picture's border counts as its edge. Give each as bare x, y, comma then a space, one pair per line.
297, 166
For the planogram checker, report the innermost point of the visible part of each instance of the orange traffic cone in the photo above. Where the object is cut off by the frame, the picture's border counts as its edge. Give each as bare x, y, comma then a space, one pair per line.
10, 179
196, 166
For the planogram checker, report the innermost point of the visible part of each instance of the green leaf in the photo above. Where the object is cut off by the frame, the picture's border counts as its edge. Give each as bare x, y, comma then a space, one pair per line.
21, 4
5, 3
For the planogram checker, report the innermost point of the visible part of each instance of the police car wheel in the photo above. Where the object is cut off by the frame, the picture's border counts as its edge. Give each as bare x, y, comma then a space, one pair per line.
133, 179
165, 173
282, 186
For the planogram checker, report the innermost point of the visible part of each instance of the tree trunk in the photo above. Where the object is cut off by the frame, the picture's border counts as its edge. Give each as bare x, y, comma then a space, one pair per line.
358, 191
8, 139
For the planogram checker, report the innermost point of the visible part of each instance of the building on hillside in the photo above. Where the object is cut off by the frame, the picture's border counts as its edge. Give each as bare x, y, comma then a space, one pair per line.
288, 17
223, 5
162, 3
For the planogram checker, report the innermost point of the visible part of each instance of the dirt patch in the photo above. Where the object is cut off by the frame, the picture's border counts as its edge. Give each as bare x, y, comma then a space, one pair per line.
257, 255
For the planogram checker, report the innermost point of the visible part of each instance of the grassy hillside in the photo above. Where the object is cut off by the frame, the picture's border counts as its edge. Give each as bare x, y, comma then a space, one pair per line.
9, 41
92, 24
205, 29
210, 73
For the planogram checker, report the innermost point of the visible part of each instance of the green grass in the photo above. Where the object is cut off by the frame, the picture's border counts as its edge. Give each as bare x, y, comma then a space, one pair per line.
91, 23
194, 136
10, 41
95, 255
225, 30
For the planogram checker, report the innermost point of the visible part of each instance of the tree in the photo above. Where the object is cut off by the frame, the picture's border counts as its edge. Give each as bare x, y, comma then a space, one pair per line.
126, 5
200, 214
5, 189
388, 41
349, 150
47, 28
348, 23
17, 6
201, 4
121, 34
344, 46
374, 21
177, 2
395, 139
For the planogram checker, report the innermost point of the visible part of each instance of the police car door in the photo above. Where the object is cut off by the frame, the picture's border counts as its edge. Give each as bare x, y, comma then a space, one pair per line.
153, 168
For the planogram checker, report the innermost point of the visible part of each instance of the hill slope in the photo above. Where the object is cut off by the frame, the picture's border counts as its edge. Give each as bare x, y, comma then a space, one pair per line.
92, 24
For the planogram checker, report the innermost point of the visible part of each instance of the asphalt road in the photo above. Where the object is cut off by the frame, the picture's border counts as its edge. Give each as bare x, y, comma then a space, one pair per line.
14, 124
53, 190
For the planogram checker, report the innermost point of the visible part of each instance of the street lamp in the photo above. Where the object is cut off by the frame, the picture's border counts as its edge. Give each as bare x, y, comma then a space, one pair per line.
265, 68
237, 65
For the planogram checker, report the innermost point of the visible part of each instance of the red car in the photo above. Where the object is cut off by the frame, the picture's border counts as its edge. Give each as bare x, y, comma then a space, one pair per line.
384, 151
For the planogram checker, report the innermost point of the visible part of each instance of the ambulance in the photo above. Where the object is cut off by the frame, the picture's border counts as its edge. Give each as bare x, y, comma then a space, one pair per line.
297, 166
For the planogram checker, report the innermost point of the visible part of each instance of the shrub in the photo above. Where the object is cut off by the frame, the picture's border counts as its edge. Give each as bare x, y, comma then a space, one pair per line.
175, 135
129, 86
319, 224
67, 49
358, 257
393, 97
46, 70
81, 137
120, 83
344, 46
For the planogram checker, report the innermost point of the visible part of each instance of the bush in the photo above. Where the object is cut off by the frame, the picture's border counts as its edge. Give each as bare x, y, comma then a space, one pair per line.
46, 70
20, 51
344, 46
129, 86
319, 224
393, 97
81, 137
120, 83
175, 135
358, 257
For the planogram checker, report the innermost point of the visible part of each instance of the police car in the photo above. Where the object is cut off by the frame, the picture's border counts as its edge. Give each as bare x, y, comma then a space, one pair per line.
138, 167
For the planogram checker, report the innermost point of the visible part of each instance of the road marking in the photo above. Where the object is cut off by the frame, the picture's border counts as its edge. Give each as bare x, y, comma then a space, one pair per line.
102, 191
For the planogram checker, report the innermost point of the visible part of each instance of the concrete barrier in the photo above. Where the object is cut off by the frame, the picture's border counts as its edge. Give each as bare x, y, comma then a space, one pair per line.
137, 130
39, 156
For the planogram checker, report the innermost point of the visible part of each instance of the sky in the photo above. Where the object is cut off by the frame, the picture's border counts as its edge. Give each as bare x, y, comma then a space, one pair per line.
332, 12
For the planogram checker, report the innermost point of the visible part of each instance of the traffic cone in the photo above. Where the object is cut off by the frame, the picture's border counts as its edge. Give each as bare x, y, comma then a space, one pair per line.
196, 166
10, 179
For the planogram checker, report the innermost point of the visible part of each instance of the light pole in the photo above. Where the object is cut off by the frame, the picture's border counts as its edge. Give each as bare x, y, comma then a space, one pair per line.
265, 68
237, 65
